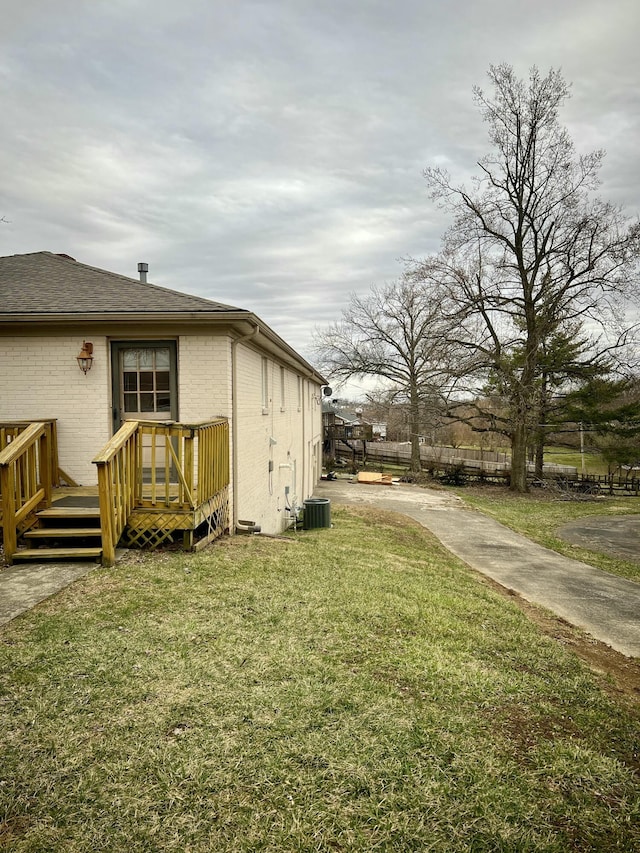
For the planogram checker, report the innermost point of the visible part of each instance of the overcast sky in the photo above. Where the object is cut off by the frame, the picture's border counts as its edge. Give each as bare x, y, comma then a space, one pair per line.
270, 154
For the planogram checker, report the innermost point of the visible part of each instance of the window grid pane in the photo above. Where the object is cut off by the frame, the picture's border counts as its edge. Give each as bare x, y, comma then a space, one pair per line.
162, 359
146, 380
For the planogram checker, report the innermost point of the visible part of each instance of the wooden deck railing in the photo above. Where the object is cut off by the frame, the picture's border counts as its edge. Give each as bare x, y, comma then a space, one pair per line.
10, 430
159, 466
213, 459
25, 477
117, 473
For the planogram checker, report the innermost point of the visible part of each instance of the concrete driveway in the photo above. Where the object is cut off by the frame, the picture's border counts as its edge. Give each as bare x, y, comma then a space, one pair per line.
617, 535
605, 606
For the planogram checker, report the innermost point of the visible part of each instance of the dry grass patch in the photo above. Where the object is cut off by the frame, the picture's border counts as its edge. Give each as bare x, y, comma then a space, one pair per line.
355, 689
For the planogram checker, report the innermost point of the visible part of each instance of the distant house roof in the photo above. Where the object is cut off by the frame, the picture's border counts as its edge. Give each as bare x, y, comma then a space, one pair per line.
329, 408
45, 283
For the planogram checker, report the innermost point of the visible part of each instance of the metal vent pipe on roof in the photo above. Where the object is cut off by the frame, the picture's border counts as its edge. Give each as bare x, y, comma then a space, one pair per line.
143, 269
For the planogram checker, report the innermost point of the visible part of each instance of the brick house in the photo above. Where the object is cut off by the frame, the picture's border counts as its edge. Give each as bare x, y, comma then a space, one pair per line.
156, 355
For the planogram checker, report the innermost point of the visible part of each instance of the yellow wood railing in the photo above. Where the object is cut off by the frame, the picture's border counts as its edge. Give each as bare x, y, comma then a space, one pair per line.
159, 465
213, 459
10, 430
116, 486
25, 477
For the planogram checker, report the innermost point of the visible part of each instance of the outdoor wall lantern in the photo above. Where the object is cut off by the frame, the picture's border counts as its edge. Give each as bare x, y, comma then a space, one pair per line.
85, 357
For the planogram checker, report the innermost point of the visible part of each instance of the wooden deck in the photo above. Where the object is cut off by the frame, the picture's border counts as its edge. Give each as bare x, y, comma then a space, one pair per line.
157, 483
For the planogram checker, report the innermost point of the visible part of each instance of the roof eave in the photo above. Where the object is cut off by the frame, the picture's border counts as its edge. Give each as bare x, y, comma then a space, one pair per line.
126, 317
284, 347
225, 318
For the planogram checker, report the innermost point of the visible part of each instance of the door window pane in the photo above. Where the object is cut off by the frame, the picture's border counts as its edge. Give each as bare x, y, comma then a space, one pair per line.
163, 402
145, 357
146, 381
147, 403
130, 381
162, 359
131, 402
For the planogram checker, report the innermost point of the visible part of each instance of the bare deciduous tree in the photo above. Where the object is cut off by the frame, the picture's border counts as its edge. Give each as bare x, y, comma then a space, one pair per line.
530, 252
395, 334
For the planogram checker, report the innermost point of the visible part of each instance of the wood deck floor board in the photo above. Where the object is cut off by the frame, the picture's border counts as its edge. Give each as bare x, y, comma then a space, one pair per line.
36, 555
70, 512
61, 532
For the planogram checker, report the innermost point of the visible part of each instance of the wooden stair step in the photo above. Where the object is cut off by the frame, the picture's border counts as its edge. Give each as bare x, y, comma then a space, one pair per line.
70, 512
36, 555
61, 532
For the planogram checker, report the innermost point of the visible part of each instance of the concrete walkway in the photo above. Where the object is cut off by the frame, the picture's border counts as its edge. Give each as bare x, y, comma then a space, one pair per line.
605, 606
23, 586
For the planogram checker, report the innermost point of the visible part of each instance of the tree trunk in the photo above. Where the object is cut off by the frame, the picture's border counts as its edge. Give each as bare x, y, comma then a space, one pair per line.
519, 458
540, 430
526, 405
539, 460
414, 421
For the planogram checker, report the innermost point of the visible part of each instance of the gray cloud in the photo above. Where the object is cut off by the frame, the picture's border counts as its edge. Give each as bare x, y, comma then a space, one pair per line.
270, 154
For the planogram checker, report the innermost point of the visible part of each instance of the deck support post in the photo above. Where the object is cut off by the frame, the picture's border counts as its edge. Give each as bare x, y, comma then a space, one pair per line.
9, 533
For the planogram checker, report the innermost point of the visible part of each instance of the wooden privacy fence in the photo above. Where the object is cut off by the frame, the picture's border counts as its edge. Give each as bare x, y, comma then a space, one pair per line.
485, 465
442, 458
26, 477
156, 478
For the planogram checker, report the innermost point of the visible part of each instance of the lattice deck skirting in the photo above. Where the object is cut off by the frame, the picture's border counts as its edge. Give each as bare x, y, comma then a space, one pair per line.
150, 528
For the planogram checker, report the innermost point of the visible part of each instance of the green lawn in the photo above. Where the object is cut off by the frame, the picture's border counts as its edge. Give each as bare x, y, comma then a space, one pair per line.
593, 462
539, 518
354, 689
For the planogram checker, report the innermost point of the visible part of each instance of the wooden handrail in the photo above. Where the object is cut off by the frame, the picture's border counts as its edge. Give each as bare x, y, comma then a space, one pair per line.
25, 480
159, 465
213, 459
17, 447
10, 430
115, 443
116, 486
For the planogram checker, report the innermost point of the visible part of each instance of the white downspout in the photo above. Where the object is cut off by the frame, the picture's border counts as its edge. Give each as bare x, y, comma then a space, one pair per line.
234, 421
308, 476
307, 428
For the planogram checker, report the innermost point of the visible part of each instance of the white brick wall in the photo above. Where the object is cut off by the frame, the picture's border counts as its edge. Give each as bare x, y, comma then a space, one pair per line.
204, 377
40, 378
297, 432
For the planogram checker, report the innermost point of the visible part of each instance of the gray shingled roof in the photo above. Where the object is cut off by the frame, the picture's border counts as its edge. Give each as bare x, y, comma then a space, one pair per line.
44, 283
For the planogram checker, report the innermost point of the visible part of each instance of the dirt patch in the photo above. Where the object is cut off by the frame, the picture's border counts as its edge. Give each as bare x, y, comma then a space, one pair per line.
618, 674
12, 829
